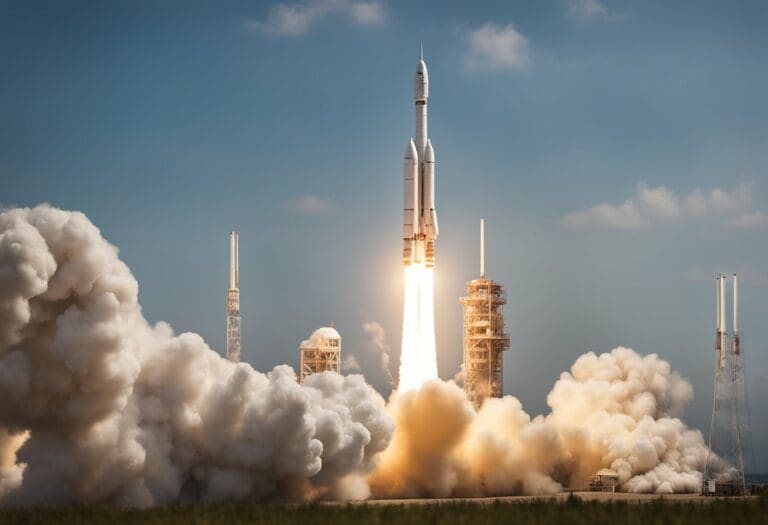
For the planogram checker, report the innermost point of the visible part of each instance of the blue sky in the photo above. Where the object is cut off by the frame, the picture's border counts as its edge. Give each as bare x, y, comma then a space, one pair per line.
618, 151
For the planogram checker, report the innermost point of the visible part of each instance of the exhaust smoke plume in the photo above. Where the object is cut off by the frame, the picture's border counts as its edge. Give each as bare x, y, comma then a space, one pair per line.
119, 411
97, 405
378, 340
614, 411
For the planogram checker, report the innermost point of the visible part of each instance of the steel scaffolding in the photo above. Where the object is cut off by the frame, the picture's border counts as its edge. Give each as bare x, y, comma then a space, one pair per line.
484, 339
320, 353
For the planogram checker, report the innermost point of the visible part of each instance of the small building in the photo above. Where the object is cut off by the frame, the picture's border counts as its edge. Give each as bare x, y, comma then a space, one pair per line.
605, 480
720, 488
320, 353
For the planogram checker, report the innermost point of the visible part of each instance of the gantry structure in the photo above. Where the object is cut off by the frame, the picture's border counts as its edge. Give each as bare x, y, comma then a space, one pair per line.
320, 353
484, 339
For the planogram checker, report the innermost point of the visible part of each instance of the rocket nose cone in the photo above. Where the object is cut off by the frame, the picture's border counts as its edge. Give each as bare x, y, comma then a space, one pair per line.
421, 75
410, 150
429, 153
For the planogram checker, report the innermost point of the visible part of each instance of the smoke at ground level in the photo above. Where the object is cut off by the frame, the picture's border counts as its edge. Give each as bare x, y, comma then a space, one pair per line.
99, 406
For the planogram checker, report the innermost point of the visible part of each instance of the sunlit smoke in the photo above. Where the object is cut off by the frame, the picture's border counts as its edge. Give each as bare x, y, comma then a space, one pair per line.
614, 411
418, 359
99, 406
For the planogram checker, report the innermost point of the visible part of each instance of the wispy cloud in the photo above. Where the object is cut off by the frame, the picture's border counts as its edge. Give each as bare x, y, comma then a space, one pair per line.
650, 207
309, 205
624, 216
296, 19
752, 220
494, 47
718, 201
586, 10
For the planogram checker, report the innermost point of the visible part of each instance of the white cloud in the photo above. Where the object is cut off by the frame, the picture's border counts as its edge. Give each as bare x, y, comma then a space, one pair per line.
752, 220
623, 216
368, 13
586, 10
654, 206
296, 19
309, 205
718, 201
659, 202
496, 47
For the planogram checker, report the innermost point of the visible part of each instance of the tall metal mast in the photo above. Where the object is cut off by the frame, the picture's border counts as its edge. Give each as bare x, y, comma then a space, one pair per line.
482, 248
233, 301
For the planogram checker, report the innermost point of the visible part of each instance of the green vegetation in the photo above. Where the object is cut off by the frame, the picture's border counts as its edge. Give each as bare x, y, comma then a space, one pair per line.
571, 511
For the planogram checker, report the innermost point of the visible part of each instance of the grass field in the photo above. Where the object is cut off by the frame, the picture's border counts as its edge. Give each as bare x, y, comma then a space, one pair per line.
570, 511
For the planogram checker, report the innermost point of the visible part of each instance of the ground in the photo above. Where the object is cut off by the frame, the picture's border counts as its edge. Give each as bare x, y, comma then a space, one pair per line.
586, 508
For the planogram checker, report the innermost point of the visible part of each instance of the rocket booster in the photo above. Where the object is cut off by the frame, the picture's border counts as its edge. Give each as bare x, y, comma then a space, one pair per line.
419, 216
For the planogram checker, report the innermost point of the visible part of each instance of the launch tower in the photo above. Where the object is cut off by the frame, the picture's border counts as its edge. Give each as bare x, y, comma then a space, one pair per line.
484, 337
233, 301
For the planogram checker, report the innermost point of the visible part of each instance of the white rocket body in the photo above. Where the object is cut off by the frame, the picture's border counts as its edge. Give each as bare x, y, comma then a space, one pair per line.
419, 215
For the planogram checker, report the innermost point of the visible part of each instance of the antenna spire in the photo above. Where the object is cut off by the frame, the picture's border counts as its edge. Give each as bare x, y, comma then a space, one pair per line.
482, 248
421, 51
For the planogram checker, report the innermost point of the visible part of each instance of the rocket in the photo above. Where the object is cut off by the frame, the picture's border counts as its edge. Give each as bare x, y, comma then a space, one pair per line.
419, 216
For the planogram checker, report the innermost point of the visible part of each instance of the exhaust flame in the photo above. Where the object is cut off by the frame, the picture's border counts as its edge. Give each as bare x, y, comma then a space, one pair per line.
418, 359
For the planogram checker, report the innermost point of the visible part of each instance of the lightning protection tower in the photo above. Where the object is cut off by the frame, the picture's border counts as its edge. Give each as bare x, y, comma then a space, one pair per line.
484, 340
233, 301
728, 426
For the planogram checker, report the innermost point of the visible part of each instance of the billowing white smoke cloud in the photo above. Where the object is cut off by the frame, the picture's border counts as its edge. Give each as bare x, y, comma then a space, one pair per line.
614, 411
119, 411
96, 405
